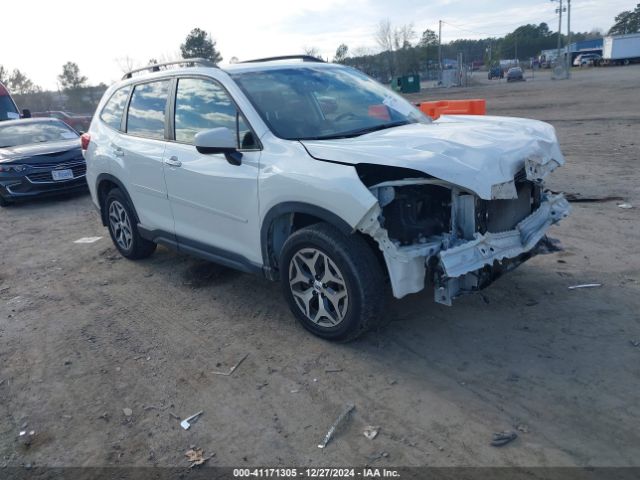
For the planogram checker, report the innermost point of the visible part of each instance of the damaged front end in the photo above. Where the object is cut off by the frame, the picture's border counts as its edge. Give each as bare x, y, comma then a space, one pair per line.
430, 229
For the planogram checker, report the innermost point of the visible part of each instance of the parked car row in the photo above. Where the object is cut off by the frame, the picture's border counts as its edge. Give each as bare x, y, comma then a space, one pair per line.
79, 123
39, 157
587, 60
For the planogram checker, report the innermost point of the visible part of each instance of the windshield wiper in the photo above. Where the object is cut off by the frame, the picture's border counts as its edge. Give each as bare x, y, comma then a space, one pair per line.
360, 131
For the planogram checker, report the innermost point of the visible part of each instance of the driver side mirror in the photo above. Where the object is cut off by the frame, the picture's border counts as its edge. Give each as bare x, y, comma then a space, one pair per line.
26, 113
219, 140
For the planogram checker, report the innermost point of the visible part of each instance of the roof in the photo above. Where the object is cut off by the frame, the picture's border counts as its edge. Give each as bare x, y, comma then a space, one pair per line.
251, 66
275, 65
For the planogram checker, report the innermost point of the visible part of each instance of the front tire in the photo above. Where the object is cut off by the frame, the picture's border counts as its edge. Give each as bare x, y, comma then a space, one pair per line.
333, 282
124, 229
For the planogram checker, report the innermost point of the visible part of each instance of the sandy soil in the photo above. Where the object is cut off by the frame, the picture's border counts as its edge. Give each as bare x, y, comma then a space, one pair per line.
85, 334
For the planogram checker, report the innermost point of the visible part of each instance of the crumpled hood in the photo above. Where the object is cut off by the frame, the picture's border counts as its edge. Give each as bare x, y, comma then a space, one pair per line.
473, 152
38, 151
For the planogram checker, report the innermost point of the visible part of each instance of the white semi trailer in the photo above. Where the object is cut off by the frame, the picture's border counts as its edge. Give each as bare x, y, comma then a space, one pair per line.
621, 49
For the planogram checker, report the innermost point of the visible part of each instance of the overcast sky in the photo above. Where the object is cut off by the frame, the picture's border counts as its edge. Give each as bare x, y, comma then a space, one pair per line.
38, 36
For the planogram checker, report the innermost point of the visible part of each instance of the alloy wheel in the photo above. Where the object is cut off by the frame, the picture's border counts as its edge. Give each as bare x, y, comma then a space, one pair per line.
120, 225
318, 287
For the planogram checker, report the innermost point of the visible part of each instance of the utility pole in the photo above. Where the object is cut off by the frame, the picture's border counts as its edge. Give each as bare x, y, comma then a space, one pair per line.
570, 55
440, 50
516, 47
559, 31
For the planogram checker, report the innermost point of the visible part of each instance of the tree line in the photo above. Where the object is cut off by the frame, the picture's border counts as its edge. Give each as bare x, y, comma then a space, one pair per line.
400, 51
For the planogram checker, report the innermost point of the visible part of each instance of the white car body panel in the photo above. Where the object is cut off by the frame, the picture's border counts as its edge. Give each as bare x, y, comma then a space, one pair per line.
473, 152
214, 202
288, 174
141, 169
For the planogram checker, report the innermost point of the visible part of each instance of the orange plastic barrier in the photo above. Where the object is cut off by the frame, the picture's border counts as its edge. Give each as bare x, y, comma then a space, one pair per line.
454, 107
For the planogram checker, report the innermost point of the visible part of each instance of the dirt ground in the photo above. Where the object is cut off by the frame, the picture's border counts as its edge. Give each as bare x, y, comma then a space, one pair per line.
85, 334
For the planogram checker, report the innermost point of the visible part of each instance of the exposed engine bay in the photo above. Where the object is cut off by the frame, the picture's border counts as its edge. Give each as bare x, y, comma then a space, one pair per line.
430, 230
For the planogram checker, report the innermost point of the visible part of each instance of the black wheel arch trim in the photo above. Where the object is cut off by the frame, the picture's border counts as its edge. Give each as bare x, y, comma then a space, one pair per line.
294, 207
110, 178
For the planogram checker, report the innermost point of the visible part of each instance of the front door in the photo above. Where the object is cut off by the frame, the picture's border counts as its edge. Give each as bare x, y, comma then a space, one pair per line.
214, 203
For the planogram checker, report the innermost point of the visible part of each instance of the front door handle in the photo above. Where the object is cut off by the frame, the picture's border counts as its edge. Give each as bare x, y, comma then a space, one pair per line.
173, 161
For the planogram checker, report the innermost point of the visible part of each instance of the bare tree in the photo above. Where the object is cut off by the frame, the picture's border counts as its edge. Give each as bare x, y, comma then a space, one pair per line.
312, 51
20, 84
403, 35
126, 63
384, 35
361, 51
391, 38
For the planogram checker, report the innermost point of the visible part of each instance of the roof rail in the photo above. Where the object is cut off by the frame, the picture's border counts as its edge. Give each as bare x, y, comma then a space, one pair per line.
304, 58
187, 62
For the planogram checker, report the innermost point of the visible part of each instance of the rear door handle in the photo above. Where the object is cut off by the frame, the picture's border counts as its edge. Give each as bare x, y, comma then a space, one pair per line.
173, 161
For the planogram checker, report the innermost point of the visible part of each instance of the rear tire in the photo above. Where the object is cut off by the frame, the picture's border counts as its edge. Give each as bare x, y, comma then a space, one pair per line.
123, 227
4, 202
333, 282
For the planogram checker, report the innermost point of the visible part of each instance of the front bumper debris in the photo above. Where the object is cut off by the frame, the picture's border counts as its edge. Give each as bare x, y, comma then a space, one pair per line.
490, 247
473, 264
461, 266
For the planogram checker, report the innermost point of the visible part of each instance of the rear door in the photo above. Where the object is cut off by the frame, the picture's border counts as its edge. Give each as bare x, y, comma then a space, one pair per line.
215, 203
139, 154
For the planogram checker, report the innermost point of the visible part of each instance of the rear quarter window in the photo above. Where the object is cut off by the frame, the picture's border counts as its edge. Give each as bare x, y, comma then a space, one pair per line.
146, 113
112, 112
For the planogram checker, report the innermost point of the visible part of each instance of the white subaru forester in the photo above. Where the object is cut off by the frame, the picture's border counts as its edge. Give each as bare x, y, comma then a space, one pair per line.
316, 175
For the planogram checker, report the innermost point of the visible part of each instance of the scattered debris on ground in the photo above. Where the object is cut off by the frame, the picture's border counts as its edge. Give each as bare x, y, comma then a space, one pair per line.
26, 437
127, 412
502, 438
186, 423
585, 285
333, 370
336, 425
378, 456
87, 240
371, 432
196, 456
577, 198
635, 343
232, 369
625, 205
523, 428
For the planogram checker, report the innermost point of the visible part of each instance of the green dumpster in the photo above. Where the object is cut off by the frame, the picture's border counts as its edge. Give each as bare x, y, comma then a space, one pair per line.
407, 84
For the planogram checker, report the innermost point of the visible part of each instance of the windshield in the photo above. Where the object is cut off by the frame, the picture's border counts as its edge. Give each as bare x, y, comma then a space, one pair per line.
34, 132
321, 103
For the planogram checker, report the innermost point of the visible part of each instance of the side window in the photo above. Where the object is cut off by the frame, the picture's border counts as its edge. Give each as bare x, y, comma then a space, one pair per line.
112, 111
146, 109
202, 105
